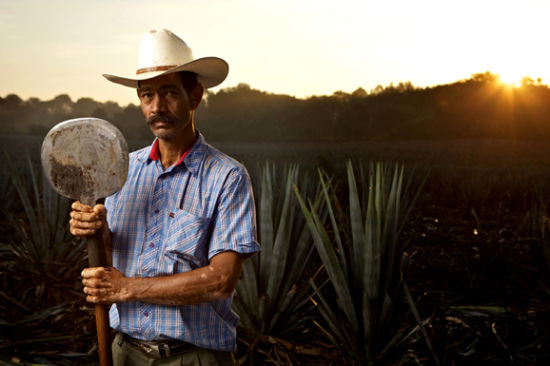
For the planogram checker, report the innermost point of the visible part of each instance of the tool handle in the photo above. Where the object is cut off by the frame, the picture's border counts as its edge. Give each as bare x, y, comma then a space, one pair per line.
96, 251
103, 334
96, 258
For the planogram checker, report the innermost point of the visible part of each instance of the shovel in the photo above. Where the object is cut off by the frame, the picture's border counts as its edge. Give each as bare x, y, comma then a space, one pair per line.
86, 159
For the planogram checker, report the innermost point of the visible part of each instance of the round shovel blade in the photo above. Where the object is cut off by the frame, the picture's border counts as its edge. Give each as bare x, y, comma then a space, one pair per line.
85, 159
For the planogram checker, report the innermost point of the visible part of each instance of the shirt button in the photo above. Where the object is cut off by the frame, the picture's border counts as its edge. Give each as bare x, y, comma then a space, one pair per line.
146, 314
151, 245
157, 211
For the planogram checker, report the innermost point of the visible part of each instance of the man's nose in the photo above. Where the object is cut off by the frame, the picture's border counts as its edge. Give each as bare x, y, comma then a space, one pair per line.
158, 103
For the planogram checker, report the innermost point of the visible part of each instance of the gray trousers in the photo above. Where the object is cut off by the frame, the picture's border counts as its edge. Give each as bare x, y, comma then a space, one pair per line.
125, 354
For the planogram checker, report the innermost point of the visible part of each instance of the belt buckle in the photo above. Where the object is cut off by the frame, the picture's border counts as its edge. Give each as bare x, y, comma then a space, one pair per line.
164, 348
152, 350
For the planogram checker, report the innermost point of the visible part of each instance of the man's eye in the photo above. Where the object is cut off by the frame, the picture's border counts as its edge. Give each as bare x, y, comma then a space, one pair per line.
171, 93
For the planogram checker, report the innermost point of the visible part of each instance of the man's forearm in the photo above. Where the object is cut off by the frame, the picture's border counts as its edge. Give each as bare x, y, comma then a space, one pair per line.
213, 282
199, 285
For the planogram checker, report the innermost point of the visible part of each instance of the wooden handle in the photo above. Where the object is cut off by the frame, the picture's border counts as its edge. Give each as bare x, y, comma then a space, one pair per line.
103, 334
96, 258
96, 251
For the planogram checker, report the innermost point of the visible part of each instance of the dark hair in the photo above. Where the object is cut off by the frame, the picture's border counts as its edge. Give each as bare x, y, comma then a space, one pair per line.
188, 80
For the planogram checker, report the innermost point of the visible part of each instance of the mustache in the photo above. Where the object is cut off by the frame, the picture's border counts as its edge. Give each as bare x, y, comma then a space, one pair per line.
161, 117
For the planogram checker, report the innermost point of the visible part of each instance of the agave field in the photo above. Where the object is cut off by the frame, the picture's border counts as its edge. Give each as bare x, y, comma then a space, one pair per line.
367, 263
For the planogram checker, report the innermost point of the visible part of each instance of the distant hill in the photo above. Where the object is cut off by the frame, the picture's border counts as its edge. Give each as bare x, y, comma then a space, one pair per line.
478, 107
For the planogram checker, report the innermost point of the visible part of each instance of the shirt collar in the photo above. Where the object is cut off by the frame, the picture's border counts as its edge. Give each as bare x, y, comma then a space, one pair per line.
190, 158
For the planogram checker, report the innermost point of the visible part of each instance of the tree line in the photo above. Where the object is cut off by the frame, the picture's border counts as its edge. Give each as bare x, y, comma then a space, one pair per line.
478, 107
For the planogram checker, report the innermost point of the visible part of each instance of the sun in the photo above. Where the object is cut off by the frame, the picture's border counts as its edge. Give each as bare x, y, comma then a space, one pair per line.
511, 77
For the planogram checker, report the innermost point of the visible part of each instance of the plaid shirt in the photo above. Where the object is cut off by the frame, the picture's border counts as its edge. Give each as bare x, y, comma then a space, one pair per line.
175, 220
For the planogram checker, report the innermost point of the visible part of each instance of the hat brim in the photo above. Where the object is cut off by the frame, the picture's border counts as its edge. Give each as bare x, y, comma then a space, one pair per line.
211, 71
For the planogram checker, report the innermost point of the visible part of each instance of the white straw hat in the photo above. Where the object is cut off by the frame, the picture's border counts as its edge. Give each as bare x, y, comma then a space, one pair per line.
162, 52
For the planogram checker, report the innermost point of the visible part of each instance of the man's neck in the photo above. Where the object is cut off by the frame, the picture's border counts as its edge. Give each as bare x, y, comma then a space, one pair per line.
171, 150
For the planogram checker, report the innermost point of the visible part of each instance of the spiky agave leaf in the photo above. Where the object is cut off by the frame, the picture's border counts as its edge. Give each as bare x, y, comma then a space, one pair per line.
40, 264
46, 258
272, 289
336, 272
367, 293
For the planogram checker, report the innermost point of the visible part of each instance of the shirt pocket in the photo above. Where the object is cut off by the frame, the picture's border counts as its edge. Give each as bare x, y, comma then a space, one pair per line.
186, 242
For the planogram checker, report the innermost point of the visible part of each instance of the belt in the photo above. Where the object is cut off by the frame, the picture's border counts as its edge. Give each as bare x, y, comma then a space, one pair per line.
159, 349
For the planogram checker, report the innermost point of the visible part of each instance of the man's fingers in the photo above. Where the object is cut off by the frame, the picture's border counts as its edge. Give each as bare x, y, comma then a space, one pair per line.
82, 212
85, 216
78, 224
93, 272
93, 283
92, 291
82, 233
95, 299
101, 284
97, 296
83, 228
78, 206
85, 220
100, 211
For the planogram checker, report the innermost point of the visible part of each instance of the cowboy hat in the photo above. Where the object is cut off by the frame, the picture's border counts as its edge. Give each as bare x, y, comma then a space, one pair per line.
162, 52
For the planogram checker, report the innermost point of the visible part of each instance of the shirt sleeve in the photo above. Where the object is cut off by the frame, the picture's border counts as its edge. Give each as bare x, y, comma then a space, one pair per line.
110, 206
234, 223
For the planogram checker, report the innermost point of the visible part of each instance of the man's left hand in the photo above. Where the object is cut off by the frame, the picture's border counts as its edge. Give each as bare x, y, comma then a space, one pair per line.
104, 285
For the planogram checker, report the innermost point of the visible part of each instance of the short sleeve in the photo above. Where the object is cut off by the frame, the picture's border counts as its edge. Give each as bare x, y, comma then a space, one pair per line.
110, 206
234, 222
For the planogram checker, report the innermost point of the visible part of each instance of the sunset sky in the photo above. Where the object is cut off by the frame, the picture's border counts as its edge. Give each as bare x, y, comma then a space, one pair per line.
295, 47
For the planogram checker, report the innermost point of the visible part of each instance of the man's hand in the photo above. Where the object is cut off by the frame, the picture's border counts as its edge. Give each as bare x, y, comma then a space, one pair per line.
86, 221
215, 281
105, 285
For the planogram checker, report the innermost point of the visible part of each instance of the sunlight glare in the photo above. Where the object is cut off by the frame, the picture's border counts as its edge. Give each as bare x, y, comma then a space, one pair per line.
511, 78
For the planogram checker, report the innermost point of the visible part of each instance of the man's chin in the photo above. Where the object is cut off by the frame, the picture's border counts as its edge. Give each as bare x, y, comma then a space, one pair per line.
165, 135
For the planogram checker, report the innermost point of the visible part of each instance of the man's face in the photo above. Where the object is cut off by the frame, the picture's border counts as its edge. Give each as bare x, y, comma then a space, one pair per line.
166, 106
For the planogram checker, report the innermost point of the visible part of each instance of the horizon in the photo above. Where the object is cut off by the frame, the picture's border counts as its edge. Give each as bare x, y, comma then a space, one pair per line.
300, 49
371, 92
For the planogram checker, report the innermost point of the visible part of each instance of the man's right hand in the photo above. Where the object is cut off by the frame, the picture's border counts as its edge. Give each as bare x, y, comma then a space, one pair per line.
86, 221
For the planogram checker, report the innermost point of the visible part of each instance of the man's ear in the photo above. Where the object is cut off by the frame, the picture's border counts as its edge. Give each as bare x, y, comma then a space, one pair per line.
138, 91
196, 96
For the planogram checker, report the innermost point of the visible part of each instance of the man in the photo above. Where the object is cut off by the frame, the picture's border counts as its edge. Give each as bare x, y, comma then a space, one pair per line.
179, 229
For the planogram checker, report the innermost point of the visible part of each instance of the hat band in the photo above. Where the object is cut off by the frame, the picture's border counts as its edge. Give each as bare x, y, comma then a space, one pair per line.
154, 68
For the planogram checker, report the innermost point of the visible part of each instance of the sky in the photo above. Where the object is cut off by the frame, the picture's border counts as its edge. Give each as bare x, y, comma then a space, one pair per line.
295, 47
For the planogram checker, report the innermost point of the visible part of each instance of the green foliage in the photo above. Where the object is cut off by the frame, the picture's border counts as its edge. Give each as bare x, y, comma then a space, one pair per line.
40, 258
40, 264
272, 293
362, 254
478, 107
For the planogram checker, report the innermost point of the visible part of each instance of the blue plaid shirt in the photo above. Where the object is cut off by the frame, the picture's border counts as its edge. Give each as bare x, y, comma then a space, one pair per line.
175, 220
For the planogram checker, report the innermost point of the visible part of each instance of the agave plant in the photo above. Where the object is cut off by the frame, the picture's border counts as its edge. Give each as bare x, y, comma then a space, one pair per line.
540, 227
40, 255
362, 257
41, 304
272, 289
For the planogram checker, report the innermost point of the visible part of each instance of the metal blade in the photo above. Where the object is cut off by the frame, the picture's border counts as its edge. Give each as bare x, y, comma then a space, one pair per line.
85, 159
